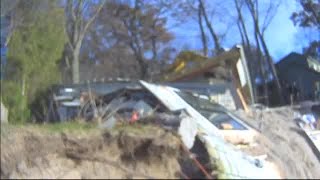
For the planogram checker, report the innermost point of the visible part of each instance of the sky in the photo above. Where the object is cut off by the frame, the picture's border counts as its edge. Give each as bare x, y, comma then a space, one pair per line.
282, 37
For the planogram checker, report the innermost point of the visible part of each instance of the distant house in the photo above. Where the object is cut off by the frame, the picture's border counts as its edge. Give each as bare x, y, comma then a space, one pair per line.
299, 76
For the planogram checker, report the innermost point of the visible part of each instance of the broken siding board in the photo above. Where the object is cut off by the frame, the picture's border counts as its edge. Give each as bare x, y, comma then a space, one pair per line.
244, 103
221, 92
175, 102
239, 88
235, 164
314, 137
241, 73
231, 163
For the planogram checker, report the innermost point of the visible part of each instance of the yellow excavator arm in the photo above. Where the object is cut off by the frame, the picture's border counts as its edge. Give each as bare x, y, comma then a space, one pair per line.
183, 60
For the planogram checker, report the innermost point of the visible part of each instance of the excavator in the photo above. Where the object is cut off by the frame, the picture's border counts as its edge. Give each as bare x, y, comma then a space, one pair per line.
185, 59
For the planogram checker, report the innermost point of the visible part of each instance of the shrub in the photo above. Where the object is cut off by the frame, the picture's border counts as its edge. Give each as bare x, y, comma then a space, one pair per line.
16, 103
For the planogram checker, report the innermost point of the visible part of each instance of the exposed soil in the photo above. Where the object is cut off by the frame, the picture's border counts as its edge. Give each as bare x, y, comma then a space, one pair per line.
284, 142
123, 153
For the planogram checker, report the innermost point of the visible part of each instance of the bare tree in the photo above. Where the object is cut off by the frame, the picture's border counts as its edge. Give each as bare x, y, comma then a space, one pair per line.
253, 6
215, 37
142, 28
18, 14
137, 29
192, 10
241, 24
199, 12
7, 6
78, 22
203, 35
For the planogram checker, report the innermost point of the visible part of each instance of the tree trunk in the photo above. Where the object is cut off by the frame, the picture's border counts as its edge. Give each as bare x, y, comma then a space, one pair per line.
241, 20
269, 60
273, 69
253, 9
75, 67
203, 35
212, 32
23, 89
241, 34
260, 60
154, 48
154, 42
143, 68
75, 33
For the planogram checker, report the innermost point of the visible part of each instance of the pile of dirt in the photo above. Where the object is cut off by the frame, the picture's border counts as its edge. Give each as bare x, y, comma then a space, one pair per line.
284, 142
128, 152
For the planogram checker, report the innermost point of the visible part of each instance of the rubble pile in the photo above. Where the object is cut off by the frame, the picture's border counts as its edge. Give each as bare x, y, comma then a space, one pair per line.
155, 131
193, 117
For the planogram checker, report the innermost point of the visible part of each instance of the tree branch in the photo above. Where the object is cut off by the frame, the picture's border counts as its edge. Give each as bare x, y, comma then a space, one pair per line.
11, 31
269, 16
213, 33
203, 35
90, 21
68, 38
70, 8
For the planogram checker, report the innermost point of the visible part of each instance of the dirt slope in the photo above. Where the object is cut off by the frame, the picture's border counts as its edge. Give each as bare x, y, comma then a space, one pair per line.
284, 142
135, 153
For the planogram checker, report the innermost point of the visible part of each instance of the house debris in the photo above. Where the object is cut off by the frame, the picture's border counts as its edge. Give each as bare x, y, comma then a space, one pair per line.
186, 102
140, 99
230, 66
310, 123
314, 137
283, 140
194, 117
211, 137
233, 91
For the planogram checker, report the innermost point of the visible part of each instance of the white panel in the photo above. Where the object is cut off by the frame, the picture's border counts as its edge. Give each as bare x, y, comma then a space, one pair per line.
241, 73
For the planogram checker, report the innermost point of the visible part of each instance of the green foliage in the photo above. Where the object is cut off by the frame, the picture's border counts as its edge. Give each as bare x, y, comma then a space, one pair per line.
33, 55
309, 16
71, 126
15, 102
38, 49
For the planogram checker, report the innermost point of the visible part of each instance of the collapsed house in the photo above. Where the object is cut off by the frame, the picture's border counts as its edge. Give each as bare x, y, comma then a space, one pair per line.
229, 68
191, 111
225, 79
67, 97
184, 102
191, 115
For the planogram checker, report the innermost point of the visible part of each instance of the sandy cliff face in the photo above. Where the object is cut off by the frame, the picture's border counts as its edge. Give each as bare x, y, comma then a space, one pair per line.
284, 142
154, 153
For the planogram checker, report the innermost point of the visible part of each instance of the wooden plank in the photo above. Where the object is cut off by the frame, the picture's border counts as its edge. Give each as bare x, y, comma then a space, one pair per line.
244, 104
